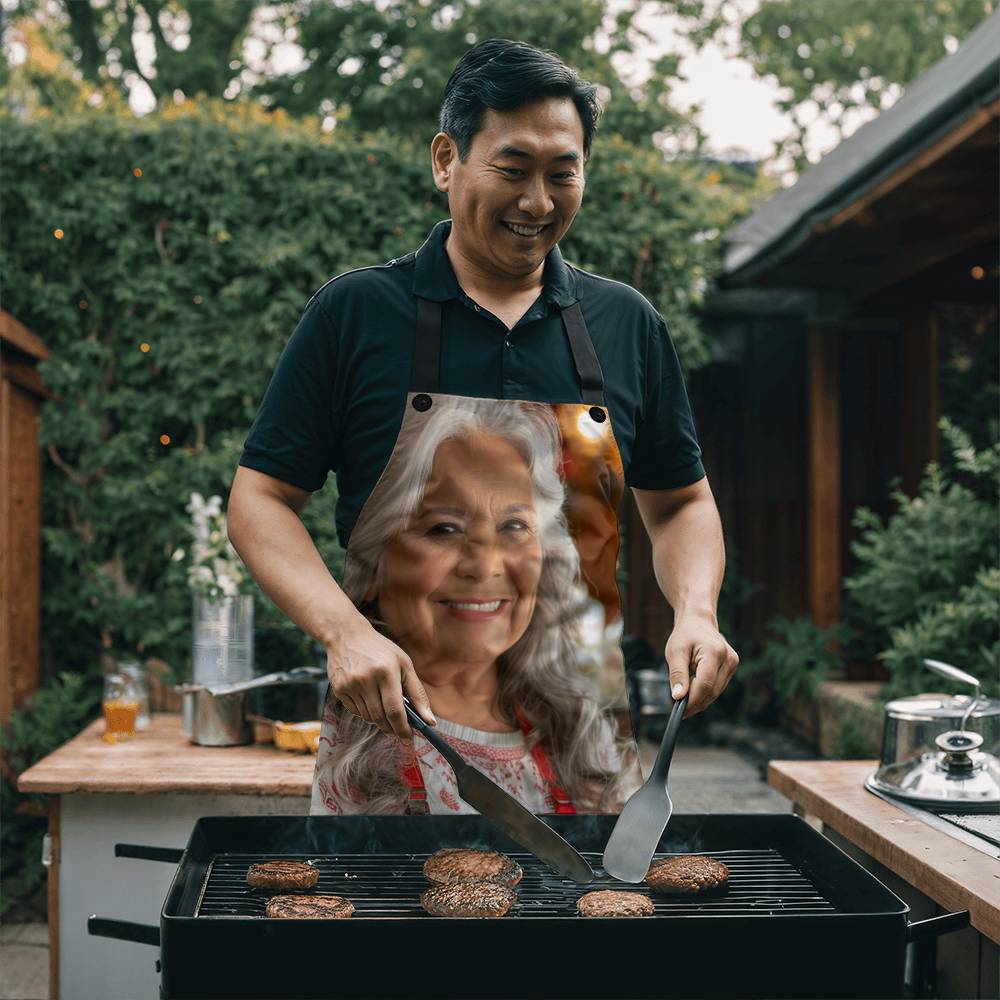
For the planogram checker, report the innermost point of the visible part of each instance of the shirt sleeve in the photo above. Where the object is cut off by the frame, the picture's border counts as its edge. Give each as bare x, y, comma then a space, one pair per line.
292, 437
666, 454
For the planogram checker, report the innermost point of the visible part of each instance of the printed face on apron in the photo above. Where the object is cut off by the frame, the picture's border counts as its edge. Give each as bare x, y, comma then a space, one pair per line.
460, 580
489, 538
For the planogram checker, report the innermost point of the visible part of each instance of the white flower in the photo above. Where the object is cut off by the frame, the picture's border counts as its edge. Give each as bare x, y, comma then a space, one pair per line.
178, 555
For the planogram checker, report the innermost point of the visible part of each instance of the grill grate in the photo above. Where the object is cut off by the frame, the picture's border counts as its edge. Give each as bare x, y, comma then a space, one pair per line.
761, 882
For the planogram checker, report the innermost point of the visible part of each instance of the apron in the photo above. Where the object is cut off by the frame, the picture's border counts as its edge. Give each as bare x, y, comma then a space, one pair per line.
491, 533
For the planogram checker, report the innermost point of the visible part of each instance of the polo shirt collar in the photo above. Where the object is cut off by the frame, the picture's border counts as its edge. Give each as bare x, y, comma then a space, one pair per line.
433, 277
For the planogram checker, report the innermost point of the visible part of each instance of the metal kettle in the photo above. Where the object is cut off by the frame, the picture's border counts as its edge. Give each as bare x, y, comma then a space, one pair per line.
940, 750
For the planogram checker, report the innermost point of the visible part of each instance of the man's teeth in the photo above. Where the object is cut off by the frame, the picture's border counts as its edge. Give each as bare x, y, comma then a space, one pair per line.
467, 606
524, 230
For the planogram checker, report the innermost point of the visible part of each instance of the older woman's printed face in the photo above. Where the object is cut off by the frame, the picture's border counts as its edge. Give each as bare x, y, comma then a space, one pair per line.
460, 582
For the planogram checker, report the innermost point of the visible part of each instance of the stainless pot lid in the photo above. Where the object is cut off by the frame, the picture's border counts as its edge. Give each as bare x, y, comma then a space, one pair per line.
958, 775
919, 707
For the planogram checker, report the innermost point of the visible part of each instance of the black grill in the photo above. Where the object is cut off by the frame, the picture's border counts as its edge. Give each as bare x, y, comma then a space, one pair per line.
799, 918
761, 882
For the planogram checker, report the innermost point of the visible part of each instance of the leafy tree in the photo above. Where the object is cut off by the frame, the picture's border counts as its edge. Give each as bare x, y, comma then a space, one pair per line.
837, 60
377, 65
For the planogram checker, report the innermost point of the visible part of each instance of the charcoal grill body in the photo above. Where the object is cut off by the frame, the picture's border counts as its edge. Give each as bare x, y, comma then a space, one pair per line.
855, 948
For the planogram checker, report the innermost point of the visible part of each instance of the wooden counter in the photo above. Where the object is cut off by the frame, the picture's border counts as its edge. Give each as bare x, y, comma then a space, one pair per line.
163, 759
954, 875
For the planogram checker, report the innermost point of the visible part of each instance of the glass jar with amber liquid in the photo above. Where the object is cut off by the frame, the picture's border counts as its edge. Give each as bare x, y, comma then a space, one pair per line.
121, 707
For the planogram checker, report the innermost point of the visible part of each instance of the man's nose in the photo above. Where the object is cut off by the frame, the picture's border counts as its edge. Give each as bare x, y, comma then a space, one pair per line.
535, 199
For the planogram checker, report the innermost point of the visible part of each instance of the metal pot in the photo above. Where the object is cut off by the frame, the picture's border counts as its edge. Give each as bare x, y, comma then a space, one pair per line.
215, 715
941, 749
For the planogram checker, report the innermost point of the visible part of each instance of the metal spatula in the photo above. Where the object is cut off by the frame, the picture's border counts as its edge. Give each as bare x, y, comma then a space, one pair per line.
645, 816
504, 811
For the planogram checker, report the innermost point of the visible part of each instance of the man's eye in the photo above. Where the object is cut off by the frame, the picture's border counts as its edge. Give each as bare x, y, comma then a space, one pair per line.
566, 177
512, 170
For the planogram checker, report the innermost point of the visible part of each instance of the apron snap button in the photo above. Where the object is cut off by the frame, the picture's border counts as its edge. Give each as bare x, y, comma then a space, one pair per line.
421, 402
597, 414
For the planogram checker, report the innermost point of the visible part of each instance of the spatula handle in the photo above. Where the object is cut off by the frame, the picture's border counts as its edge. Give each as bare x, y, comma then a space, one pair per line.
663, 756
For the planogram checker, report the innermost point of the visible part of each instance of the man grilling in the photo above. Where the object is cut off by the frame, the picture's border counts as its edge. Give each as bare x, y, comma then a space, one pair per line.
483, 403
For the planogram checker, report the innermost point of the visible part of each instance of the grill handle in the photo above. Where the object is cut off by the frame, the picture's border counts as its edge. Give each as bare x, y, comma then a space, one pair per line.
144, 853
123, 930
936, 926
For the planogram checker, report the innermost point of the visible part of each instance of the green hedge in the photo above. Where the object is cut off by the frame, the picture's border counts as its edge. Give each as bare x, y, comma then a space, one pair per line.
202, 232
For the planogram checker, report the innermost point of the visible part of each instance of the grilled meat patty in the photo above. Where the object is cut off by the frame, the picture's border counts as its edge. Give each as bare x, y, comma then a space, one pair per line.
468, 899
283, 876
614, 903
312, 907
688, 874
454, 864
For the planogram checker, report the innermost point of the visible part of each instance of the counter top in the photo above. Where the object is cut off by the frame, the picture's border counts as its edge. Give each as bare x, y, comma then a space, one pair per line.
954, 875
163, 759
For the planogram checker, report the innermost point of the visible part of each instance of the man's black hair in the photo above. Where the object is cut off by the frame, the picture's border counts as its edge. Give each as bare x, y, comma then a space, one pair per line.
504, 75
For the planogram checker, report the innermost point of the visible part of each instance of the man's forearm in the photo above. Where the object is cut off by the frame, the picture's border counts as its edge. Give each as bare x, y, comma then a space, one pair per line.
277, 549
689, 558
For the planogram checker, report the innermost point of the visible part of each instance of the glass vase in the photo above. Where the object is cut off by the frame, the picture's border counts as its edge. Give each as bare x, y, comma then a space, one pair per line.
222, 640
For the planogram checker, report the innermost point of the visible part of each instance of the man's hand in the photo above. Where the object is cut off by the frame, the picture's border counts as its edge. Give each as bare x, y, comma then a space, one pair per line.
698, 653
369, 674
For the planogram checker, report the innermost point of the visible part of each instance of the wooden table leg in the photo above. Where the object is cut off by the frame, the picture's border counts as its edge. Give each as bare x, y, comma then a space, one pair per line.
53, 893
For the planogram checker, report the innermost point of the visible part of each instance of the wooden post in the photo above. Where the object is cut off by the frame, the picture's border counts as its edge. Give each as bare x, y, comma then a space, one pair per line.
21, 393
920, 396
824, 488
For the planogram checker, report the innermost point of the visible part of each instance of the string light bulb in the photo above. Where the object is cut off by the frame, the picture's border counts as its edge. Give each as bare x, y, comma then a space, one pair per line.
58, 234
164, 439
144, 347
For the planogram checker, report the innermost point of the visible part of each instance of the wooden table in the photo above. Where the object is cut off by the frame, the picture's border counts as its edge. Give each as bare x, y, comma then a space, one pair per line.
947, 874
163, 759
149, 790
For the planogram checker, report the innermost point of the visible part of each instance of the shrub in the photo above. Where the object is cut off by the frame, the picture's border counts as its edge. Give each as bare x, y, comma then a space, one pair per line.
53, 714
165, 262
928, 582
799, 659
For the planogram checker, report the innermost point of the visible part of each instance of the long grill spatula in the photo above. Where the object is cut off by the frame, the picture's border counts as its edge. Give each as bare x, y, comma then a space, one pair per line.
644, 818
504, 811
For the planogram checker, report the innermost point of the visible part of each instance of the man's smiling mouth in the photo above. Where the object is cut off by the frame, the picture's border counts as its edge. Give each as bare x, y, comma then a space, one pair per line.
520, 230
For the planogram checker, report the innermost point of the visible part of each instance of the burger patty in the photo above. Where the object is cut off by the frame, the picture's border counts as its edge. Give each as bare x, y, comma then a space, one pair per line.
468, 899
688, 874
452, 865
283, 875
314, 907
614, 903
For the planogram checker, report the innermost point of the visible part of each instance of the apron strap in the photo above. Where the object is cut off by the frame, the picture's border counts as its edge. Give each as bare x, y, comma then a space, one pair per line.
427, 350
563, 803
416, 791
588, 368
426, 375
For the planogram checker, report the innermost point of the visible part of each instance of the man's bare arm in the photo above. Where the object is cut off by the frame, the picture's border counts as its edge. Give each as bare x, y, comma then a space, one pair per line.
689, 561
367, 671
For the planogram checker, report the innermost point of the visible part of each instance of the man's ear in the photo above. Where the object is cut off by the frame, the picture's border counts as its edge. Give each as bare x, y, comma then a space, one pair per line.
444, 153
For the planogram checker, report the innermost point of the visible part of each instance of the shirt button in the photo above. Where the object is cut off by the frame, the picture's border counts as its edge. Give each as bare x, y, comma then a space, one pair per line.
506, 343
474, 306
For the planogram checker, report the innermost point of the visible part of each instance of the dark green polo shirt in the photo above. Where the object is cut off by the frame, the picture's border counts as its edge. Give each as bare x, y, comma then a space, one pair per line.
335, 402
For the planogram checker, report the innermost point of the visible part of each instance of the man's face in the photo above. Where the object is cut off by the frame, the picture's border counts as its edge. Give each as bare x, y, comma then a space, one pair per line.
520, 187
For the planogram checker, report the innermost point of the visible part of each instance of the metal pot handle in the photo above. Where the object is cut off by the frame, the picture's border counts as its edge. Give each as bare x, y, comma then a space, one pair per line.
935, 926
144, 853
123, 930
